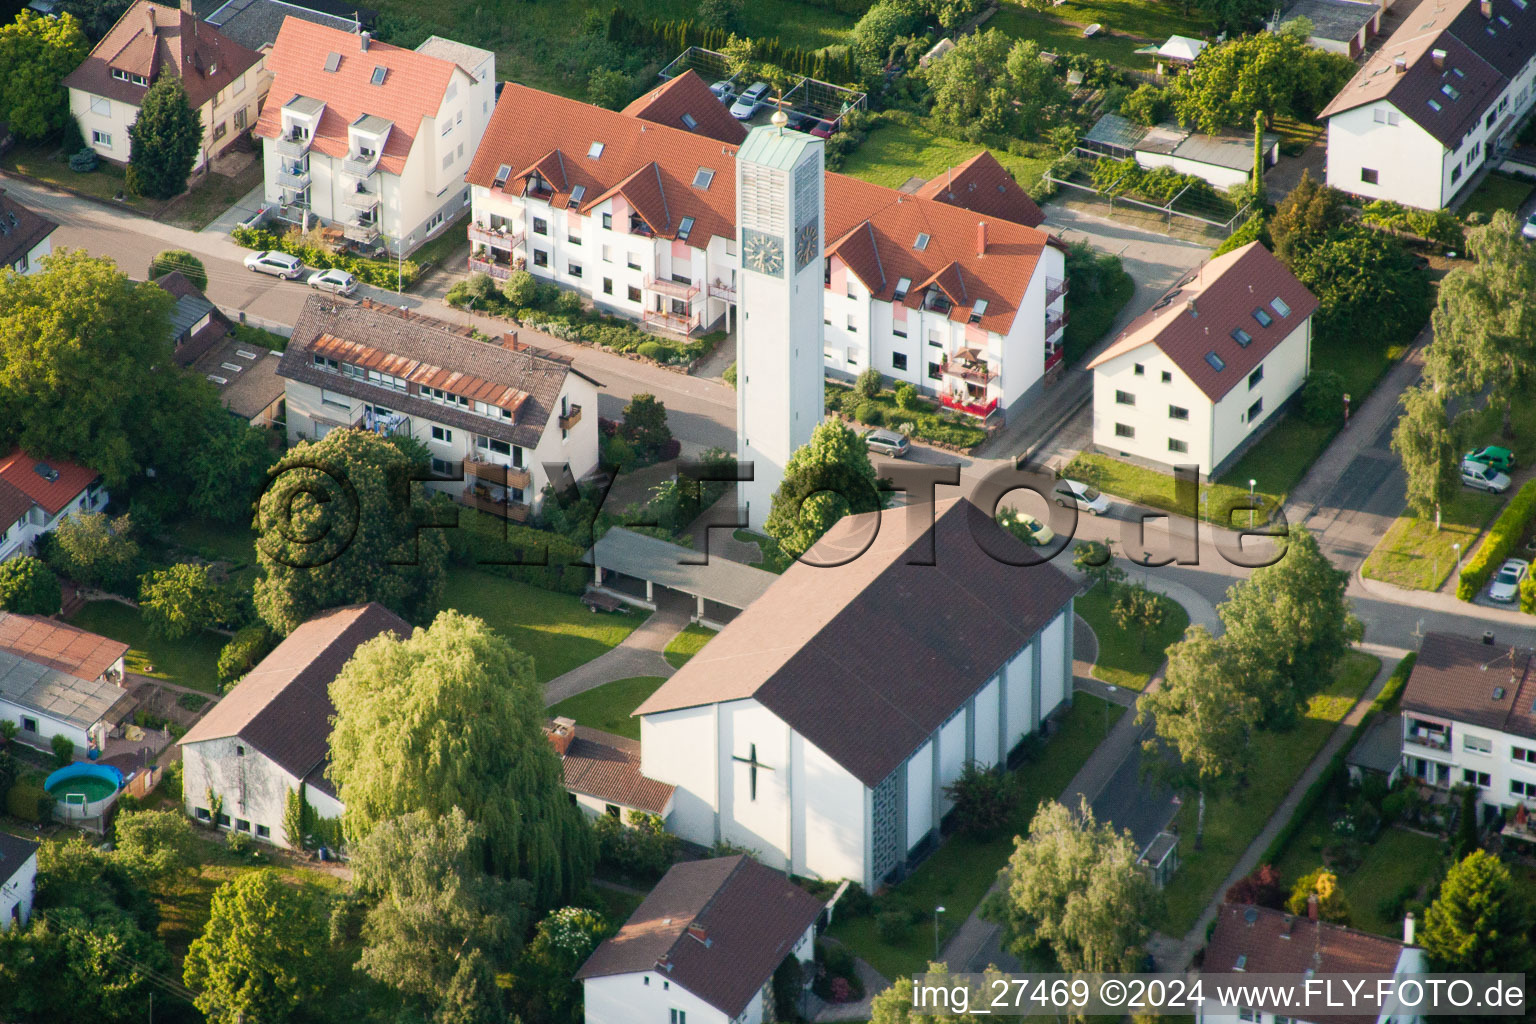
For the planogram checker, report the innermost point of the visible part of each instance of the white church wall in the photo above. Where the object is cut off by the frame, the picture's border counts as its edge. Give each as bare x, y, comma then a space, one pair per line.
675, 748
829, 829
986, 724
951, 755
760, 820
1053, 666
1021, 696
919, 794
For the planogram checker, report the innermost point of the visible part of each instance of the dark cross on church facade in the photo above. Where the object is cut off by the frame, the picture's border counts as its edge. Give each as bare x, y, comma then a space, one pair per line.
753, 764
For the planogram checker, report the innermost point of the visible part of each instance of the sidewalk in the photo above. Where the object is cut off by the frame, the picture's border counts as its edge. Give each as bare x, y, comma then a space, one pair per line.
639, 654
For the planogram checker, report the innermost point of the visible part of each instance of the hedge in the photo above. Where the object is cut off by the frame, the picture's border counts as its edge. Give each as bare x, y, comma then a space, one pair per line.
835, 64
379, 273
480, 542
29, 803
929, 422
1500, 542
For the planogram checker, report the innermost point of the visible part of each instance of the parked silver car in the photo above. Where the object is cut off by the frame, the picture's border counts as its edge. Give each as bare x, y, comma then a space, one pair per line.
750, 102
887, 442
1506, 582
278, 264
1484, 478
333, 280
1082, 496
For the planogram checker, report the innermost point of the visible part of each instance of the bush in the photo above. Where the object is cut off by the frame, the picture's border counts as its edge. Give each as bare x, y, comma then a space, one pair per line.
240, 843
179, 259
1322, 397
654, 350
1499, 544
617, 454
241, 654
29, 803
983, 801
642, 849
869, 383
520, 289
729, 376
870, 413
63, 749
894, 926
906, 396
535, 557
379, 273
85, 161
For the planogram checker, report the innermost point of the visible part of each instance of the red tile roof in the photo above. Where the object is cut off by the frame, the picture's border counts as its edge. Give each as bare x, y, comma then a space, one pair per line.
412, 90
607, 767
1201, 312
528, 126
984, 186
718, 928
59, 646
20, 471
150, 39
688, 95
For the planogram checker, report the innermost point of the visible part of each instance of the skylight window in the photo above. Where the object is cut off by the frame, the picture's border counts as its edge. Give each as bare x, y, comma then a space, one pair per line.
1434, 105
690, 122
1262, 317
702, 178
1242, 337
685, 228
1458, 72
379, 74
1504, 21
1450, 90
1520, 4
1216, 361
332, 62
595, 150
902, 287
1280, 306
921, 243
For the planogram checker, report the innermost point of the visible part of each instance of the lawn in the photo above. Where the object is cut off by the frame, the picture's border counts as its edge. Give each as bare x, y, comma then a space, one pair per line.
1396, 860
1498, 192
38, 160
770, 559
1155, 488
210, 197
1413, 555
686, 644
449, 240
903, 146
191, 661
215, 541
1123, 660
961, 871
609, 707
557, 629
1058, 36
1234, 820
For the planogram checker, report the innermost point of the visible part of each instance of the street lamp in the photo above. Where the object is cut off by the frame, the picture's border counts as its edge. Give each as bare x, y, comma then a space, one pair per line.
1457, 549
1346, 410
936, 912
1251, 485
1111, 690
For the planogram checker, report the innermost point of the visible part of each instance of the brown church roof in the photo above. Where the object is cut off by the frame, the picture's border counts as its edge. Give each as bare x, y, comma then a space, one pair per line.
686, 96
984, 186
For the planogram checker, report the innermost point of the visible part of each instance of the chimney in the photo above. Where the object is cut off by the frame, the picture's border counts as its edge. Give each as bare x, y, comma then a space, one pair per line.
149, 14
560, 733
698, 932
1438, 56
1486, 6
1189, 304
510, 343
1312, 907
186, 8
1401, 64
1408, 929
362, 40
981, 238
1488, 637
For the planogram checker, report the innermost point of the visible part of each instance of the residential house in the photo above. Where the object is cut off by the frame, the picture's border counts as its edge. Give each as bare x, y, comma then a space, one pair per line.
1443, 97
602, 772
244, 374
270, 735
1190, 380
255, 23
821, 726
702, 947
25, 237
1261, 941
225, 82
496, 417
373, 137
1338, 26
953, 289
36, 495
56, 680
197, 325
18, 880
1469, 719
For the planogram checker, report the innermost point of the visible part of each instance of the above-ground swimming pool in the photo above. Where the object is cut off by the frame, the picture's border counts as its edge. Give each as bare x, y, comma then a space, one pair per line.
83, 790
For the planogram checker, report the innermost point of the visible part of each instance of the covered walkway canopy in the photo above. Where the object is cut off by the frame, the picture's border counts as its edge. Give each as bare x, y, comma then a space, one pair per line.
622, 559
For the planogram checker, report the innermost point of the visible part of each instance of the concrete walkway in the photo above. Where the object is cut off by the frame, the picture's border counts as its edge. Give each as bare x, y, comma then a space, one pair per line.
639, 654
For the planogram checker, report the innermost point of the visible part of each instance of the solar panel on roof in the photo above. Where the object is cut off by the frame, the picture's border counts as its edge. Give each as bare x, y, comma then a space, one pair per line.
332, 61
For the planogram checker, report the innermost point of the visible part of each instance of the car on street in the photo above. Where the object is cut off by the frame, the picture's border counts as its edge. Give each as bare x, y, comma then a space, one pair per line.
1501, 459
1506, 582
1026, 527
1081, 496
750, 102
1529, 228
333, 280
278, 264
1484, 478
888, 442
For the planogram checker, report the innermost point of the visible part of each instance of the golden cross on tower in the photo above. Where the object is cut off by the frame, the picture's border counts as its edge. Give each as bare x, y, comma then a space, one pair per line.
779, 118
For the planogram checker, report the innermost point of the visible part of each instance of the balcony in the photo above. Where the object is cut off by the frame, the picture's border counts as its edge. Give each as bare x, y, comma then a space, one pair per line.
971, 371
296, 179
638, 226
977, 409
360, 166
484, 501
496, 268
364, 234
682, 290
1053, 356
1434, 739
293, 146
571, 418
1055, 288
1055, 323
721, 290
357, 199
671, 321
507, 240
498, 475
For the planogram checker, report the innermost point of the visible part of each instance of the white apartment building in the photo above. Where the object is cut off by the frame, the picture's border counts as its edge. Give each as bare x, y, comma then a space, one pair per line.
225, 82
370, 136
1442, 97
501, 421
951, 288
1190, 380
36, 495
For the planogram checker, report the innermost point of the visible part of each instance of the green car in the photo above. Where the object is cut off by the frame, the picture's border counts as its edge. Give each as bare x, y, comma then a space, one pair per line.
1501, 459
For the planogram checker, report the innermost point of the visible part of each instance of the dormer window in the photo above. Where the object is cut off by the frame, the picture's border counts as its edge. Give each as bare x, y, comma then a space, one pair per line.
902, 287
577, 194
502, 174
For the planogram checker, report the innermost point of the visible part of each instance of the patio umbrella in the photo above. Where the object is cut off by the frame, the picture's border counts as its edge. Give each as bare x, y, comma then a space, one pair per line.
970, 355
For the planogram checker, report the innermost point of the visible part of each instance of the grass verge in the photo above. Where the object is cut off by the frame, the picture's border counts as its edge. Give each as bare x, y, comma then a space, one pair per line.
1155, 488
191, 661
1414, 555
609, 707
1498, 192
686, 644
1123, 659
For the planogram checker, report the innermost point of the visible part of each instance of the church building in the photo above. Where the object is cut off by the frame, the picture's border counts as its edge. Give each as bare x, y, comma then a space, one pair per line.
820, 728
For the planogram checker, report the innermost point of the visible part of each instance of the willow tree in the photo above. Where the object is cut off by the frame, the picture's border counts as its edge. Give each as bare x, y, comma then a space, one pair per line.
452, 716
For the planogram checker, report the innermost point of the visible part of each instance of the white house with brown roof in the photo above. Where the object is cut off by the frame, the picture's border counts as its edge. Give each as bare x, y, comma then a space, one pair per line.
373, 137
498, 418
225, 82
36, 495
270, 735
1190, 380
821, 726
1437, 101
25, 237
18, 880
56, 680
952, 288
602, 772
702, 947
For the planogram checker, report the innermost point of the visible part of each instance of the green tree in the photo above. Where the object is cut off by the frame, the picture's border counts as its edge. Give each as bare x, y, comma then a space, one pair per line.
36, 52
1370, 292
645, 425
432, 904
1074, 894
453, 717
221, 477
894, 1005
349, 493
1480, 921
828, 478
182, 261
163, 140
156, 847
262, 954
96, 551
878, 29
1139, 609
1485, 318
1324, 884
96, 16
63, 750
1275, 73
1308, 213
1423, 441
609, 88
520, 289
1146, 104
29, 587
983, 800
542, 987
990, 86
181, 600
721, 15
1096, 560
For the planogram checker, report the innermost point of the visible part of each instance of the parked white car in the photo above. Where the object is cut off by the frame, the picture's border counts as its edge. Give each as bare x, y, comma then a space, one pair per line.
723, 89
1529, 228
1484, 478
1083, 497
1506, 582
750, 102
278, 264
333, 280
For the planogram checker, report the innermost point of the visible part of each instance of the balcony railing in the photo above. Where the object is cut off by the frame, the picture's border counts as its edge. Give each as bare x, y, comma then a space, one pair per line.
1429, 738
638, 226
975, 373
501, 476
672, 321
721, 290
676, 289
1055, 288
356, 200
508, 240
298, 180
977, 409
571, 418
364, 233
1054, 356
292, 146
516, 511
360, 166
1055, 323
500, 271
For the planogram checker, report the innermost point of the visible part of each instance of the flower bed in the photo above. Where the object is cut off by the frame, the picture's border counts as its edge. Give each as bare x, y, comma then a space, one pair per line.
379, 273
927, 422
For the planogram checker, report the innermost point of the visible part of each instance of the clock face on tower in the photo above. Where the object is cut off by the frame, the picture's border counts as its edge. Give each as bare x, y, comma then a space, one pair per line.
805, 245
762, 253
